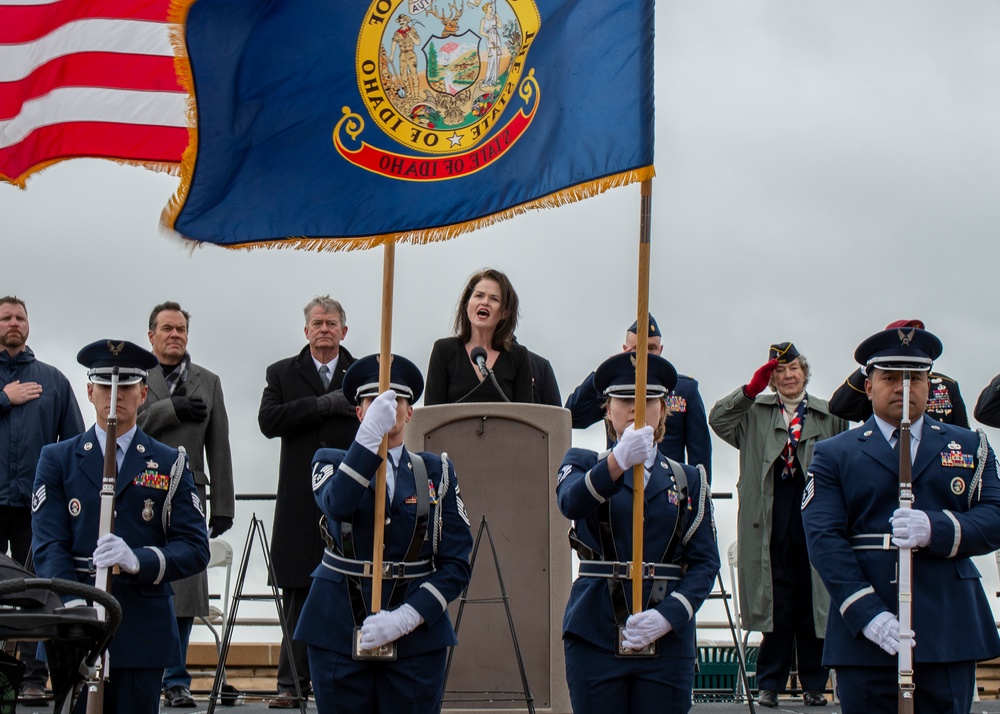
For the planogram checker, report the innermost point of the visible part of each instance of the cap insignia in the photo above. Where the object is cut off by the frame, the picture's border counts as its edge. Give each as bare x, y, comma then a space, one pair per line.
905, 337
115, 349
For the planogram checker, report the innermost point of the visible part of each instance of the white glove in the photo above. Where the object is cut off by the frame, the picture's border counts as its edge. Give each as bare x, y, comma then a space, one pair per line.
112, 550
910, 528
378, 421
634, 447
883, 630
644, 628
388, 626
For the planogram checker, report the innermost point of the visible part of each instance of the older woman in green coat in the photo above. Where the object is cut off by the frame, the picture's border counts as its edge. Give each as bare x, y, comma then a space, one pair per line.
780, 595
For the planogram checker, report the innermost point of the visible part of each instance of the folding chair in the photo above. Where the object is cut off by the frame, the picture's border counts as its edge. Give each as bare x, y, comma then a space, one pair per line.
220, 556
734, 591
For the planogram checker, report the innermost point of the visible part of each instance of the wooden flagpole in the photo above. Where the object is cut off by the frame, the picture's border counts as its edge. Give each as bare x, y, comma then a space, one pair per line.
384, 365
641, 355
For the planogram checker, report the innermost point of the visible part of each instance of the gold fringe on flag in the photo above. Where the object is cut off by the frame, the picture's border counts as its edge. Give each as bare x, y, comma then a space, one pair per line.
177, 16
426, 235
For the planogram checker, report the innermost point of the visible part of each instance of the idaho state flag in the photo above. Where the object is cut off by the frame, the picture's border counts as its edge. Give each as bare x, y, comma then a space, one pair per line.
338, 124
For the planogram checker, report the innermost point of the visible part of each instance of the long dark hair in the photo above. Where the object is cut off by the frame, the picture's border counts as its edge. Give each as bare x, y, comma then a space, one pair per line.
503, 336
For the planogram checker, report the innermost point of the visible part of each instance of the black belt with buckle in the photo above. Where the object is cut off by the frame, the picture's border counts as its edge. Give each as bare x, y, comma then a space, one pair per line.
84, 565
390, 569
613, 569
872, 541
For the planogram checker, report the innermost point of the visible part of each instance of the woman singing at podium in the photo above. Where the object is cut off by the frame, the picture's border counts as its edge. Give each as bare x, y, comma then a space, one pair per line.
482, 362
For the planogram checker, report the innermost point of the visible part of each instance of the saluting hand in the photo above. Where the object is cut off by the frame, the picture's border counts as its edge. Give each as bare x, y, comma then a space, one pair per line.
379, 420
761, 378
112, 550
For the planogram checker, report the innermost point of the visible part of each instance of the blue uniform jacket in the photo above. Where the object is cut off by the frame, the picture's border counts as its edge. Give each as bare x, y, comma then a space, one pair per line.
687, 440
66, 507
584, 483
344, 487
854, 490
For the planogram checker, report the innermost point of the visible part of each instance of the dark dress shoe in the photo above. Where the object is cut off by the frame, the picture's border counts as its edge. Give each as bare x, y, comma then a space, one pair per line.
33, 697
179, 697
767, 698
814, 699
284, 700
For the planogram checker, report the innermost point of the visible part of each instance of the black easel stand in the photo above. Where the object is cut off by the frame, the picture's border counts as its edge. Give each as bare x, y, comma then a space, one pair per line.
256, 528
490, 695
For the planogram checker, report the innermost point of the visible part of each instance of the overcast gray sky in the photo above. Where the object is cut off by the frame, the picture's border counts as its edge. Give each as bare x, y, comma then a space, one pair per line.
823, 168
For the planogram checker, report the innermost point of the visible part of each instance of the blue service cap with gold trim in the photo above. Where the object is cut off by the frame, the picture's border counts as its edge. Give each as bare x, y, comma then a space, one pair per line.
616, 376
784, 352
102, 357
361, 379
654, 329
901, 348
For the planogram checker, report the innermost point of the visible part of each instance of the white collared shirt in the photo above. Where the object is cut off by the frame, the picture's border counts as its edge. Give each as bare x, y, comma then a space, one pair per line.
124, 441
390, 471
916, 431
331, 365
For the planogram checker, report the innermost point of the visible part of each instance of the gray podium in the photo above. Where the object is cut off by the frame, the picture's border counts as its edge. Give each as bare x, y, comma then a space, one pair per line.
506, 457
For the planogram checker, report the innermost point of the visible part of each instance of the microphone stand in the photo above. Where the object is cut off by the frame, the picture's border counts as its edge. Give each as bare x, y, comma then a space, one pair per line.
493, 379
487, 373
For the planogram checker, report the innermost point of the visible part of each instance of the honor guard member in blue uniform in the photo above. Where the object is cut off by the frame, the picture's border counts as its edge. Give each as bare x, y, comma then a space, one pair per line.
426, 556
595, 491
944, 399
853, 527
688, 439
159, 530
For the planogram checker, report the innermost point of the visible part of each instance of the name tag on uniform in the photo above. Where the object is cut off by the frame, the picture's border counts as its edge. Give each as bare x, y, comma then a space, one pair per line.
957, 459
152, 479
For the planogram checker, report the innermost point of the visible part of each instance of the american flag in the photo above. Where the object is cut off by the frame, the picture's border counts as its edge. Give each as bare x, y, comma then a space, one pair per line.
88, 78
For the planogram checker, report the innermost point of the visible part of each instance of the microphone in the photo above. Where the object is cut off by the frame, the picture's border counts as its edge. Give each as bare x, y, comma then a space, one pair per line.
478, 355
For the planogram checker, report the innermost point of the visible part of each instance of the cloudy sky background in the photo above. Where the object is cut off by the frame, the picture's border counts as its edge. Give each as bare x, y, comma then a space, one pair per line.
822, 169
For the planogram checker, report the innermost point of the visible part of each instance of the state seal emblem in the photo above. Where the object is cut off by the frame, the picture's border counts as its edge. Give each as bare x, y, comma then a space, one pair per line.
438, 79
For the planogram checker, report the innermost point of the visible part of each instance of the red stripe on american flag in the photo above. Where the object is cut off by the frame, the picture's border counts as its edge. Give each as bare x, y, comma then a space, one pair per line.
89, 69
82, 44
143, 144
25, 23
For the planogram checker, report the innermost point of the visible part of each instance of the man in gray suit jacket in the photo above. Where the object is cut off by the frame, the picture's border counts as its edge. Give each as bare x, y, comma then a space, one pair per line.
185, 408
